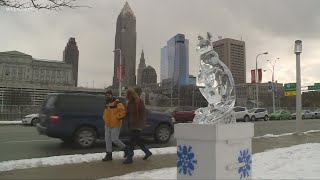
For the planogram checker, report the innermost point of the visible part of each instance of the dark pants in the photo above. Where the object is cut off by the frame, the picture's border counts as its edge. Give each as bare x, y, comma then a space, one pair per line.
136, 140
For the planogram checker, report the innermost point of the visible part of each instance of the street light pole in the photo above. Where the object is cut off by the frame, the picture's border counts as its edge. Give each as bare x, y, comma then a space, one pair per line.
298, 51
256, 78
273, 90
120, 71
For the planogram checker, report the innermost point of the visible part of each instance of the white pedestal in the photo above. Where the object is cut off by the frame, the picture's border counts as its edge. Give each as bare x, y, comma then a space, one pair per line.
207, 151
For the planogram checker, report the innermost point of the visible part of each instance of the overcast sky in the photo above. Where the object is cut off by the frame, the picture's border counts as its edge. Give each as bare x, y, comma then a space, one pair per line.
269, 25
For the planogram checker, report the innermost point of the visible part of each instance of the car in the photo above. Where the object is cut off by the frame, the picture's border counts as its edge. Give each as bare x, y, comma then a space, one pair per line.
258, 113
306, 114
77, 119
31, 119
183, 114
241, 114
317, 113
280, 115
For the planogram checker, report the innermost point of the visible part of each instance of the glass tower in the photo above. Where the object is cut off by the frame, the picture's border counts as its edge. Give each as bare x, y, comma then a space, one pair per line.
175, 59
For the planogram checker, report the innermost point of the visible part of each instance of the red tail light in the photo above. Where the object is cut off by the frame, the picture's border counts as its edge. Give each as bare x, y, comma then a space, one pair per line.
54, 118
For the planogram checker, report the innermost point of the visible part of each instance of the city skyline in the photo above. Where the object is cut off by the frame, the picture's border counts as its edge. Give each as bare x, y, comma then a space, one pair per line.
94, 29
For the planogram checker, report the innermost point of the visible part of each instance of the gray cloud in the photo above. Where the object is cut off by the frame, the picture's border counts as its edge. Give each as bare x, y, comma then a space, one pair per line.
264, 25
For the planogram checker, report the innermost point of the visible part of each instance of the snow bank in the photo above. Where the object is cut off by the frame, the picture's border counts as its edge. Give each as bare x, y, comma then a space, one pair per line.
10, 122
296, 162
72, 159
285, 134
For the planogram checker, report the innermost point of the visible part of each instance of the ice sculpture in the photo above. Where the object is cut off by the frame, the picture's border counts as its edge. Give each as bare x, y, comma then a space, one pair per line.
217, 86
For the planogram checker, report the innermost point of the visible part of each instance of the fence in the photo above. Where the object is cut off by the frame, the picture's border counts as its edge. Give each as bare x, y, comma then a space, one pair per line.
290, 109
14, 112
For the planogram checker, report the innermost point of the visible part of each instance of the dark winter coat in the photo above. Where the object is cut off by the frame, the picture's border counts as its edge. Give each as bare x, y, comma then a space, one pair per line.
136, 111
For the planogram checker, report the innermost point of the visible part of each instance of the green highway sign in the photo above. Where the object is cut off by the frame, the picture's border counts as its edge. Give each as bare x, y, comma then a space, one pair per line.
316, 84
290, 87
314, 87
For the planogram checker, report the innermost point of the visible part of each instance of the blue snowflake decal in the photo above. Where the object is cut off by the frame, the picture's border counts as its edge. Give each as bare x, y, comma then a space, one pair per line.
186, 160
245, 157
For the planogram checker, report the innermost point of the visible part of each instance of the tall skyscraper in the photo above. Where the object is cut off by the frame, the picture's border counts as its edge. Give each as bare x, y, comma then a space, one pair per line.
175, 58
71, 56
164, 72
125, 40
233, 53
142, 66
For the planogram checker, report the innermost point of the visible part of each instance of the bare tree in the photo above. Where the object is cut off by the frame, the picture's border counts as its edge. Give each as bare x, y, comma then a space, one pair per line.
40, 4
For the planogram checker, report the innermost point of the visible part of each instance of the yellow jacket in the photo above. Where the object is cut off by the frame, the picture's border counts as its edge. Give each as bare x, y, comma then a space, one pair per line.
113, 114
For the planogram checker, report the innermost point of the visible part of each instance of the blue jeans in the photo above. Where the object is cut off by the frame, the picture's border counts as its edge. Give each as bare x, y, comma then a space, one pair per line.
136, 140
112, 135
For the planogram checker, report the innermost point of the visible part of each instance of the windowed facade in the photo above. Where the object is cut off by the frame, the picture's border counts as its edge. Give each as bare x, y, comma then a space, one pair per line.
20, 68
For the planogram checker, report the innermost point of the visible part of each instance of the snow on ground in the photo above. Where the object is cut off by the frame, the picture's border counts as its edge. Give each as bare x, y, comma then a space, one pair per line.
10, 122
285, 134
72, 159
296, 162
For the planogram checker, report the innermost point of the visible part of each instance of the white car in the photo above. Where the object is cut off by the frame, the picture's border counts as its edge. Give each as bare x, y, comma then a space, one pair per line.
31, 119
241, 114
258, 113
317, 113
305, 115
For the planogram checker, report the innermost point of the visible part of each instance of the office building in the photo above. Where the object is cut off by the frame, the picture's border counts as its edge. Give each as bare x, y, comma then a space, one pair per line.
125, 40
233, 53
175, 60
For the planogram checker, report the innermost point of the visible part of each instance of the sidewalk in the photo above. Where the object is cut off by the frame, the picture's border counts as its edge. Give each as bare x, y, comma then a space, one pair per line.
97, 170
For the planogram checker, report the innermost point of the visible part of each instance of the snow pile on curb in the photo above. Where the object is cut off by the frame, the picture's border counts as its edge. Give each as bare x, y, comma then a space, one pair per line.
296, 162
285, 134
73, 159
10, 122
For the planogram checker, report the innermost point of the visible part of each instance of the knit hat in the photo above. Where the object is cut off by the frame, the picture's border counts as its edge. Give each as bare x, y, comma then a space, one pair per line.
138, 90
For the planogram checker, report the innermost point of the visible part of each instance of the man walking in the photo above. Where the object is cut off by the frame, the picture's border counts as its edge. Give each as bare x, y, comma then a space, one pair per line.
113, 114
137, 120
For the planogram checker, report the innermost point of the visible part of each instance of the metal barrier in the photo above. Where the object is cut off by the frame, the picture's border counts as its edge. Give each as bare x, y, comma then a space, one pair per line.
14, 112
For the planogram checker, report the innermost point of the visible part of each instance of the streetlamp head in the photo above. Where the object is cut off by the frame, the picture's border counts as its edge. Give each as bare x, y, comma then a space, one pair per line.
298, 47
265, 53
117, 50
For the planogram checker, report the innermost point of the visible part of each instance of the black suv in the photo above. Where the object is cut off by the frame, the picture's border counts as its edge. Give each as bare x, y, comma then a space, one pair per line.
77, 118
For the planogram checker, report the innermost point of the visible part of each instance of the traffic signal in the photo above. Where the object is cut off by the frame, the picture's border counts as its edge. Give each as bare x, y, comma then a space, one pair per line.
270, 88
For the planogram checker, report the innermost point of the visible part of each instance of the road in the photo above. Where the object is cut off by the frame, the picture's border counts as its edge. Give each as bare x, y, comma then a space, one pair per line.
23, 142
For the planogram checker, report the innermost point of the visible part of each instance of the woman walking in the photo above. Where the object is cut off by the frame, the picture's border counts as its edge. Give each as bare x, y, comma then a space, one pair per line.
137, 121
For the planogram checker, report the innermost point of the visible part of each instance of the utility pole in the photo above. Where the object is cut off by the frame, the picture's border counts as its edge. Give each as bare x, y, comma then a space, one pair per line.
256, 75
171, 92
273, 85
120, 71
298, 51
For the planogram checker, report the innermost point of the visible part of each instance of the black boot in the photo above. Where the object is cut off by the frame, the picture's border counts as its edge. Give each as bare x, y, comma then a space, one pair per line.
129, 157
147, 152
128, 161
125, 151
108, 157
